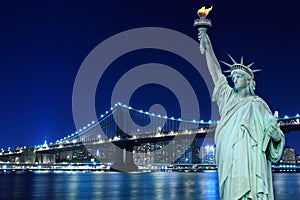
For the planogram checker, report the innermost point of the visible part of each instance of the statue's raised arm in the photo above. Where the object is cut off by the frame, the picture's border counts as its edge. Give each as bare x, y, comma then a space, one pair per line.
212, 62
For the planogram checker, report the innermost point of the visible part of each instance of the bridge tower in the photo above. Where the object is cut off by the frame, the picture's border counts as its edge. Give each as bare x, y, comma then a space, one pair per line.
123, 156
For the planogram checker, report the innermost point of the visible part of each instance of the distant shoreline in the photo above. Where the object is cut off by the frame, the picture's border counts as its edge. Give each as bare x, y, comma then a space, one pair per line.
98, 167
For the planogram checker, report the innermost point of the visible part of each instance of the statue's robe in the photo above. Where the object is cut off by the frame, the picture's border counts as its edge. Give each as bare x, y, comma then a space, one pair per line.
244, 150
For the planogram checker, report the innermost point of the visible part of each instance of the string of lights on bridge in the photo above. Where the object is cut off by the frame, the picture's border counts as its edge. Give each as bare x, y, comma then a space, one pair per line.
294, 120
108, 112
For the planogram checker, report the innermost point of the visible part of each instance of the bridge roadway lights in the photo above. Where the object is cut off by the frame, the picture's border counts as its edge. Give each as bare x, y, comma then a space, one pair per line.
124, 159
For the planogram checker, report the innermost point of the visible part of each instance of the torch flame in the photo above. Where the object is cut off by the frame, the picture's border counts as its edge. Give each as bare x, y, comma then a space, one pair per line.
203, 12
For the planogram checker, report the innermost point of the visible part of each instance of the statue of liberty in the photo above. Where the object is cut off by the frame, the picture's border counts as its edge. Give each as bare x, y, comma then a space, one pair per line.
248, 138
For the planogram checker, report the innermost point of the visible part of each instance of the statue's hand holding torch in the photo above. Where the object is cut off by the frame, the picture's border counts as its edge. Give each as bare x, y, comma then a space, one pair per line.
204, 41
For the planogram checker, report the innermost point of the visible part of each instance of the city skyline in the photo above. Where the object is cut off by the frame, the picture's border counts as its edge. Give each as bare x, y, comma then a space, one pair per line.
44, 45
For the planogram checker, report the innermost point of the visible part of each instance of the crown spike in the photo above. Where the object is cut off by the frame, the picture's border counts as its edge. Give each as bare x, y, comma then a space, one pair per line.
256, 70
229, 65
232, 59
242, 60
248, 66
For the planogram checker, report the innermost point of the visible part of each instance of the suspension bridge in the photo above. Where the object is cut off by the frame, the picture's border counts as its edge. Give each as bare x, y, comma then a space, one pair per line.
126, 136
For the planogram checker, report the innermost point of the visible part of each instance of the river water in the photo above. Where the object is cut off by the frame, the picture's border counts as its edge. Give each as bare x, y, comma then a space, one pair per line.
128, 186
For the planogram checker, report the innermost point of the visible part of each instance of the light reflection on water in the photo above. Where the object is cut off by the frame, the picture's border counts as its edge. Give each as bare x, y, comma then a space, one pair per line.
286, 186
133, 186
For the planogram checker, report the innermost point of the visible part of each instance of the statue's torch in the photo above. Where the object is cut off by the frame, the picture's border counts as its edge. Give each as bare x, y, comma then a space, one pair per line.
202, 23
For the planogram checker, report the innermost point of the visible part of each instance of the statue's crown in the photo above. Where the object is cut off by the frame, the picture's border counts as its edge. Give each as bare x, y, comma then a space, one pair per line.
240, 66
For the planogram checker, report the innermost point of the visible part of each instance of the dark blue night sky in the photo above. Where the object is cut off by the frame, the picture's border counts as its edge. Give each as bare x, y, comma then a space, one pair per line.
44, 44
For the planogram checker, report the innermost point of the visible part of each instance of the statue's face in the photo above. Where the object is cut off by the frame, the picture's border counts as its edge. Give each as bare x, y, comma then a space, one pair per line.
239, 80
